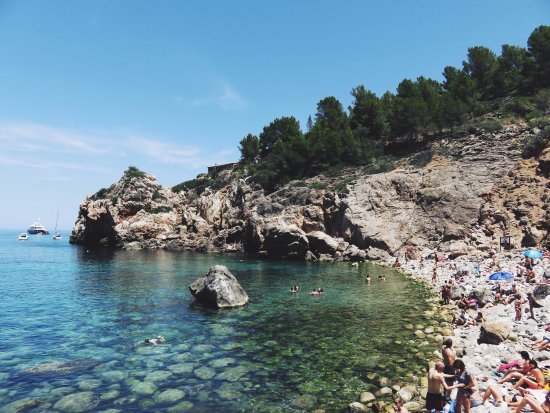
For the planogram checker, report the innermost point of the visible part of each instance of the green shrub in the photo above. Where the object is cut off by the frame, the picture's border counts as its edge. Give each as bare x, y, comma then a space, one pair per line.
198, 185
297, 184
541, 122
380, 165
342, 186
318, 185
114, 200
535, 145
133, 172
101, 193
542, 100
157, 195
490, 125
521, 106
334, 171
421, 159
158, 210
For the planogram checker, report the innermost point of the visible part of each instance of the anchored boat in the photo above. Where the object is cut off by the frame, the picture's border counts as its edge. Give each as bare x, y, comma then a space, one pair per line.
37, 228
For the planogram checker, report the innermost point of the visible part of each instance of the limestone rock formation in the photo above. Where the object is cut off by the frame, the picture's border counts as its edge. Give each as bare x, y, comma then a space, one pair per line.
471, 189
219, 288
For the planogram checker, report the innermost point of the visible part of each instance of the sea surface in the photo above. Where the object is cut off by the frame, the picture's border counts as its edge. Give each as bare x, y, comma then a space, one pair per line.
72, 320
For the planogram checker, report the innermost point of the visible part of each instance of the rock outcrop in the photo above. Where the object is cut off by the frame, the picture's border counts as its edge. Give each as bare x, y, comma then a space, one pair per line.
493, 333
219, 288
469, 190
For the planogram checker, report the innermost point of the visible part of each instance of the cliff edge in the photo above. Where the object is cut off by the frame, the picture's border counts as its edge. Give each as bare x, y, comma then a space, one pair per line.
456, 194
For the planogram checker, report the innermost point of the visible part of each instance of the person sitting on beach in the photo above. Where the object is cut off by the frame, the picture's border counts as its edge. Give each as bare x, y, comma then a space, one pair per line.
155, 340
530, 276
535, 379
492, 391
516, 367
544, 342
518, 373
463, 319
479, 318
398, 406
534, 403
462, 302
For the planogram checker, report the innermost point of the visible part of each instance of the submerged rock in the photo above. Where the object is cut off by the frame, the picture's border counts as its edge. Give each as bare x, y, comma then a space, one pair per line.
219, 288
62, 367
77, 402
22, 405
169, 396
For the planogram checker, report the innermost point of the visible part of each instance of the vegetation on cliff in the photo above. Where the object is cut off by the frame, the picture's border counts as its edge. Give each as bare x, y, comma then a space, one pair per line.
487, 90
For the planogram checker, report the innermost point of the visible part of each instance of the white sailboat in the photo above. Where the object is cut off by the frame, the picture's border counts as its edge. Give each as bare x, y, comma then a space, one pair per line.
56, 235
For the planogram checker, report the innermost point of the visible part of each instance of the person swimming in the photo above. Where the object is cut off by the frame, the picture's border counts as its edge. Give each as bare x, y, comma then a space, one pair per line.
155, 341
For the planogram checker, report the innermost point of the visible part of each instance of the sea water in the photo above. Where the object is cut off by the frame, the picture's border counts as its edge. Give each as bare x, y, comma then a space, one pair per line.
72, 320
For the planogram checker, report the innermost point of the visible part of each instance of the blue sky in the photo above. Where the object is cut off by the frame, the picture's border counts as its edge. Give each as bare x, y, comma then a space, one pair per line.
88, 88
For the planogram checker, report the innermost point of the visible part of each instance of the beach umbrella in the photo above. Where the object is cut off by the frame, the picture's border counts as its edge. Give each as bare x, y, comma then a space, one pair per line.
501, 276
533, 253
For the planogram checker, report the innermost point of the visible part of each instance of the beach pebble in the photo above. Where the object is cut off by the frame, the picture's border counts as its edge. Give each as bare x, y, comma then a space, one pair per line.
366, 397
77, 402
169, 396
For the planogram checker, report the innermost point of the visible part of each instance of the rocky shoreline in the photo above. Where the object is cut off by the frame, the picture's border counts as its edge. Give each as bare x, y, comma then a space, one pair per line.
481, 359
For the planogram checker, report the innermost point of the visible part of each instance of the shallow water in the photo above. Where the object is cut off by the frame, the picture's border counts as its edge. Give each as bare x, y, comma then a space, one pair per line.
280, 353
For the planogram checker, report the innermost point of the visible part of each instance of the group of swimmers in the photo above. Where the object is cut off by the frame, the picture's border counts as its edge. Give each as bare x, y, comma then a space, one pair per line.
368, 280
318, 291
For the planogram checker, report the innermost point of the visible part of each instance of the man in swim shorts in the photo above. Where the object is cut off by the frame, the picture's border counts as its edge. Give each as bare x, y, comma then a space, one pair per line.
436, 379
449, 356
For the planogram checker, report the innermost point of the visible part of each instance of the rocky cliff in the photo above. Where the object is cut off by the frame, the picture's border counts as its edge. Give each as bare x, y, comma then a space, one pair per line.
457, 193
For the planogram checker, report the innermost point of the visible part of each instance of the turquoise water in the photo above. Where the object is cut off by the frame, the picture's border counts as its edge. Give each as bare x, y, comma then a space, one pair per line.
282, 352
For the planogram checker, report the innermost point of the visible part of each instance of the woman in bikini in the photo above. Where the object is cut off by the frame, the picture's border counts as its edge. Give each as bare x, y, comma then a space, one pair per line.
463, 394
535, 379
535, 404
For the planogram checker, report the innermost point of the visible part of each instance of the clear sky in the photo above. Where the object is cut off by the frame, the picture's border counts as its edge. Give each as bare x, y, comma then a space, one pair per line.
88, 88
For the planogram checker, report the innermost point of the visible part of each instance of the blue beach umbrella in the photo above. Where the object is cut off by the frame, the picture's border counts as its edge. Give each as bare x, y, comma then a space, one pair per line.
501, 276
533, 253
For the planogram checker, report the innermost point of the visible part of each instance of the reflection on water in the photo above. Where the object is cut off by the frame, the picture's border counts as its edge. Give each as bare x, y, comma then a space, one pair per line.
281, 352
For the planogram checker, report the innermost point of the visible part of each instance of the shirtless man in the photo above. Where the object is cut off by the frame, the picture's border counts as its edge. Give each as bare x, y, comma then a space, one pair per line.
436, 379
449, 356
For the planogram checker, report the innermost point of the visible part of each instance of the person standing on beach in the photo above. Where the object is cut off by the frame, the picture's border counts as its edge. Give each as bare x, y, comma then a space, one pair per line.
532, 304
518, 306
436, 380
449, 356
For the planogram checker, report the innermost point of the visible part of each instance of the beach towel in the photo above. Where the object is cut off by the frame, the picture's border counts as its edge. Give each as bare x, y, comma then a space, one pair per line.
504, 367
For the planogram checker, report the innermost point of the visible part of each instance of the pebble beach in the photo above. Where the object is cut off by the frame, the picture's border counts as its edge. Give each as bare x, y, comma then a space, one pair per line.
471, 274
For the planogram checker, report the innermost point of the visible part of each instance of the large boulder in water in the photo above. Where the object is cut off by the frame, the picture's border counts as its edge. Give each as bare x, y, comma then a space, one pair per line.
219, 288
